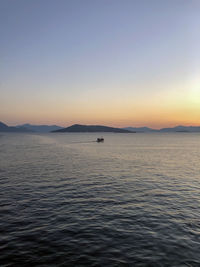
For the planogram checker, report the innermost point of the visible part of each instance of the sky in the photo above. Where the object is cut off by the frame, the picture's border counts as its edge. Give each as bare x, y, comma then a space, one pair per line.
110, 62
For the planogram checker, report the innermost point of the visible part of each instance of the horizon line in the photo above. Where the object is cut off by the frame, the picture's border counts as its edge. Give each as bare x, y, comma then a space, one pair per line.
144, 126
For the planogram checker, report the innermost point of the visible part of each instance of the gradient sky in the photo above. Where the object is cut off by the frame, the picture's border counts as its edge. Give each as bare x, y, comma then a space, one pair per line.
111, 62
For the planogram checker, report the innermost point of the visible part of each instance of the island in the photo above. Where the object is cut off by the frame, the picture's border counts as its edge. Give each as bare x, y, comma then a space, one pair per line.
78, 128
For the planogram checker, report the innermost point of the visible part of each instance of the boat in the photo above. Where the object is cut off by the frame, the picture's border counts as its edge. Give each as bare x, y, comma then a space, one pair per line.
100, 140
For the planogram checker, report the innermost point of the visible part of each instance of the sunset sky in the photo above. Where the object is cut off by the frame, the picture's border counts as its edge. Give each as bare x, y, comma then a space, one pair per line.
111, 62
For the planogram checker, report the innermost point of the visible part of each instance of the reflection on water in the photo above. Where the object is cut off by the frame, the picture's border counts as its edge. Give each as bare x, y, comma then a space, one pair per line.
130, 201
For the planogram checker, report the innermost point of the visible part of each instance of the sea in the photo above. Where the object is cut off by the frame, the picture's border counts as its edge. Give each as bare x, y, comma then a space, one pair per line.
66, 200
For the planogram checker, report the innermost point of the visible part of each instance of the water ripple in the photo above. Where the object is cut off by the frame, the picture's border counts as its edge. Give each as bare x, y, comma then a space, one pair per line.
132, 201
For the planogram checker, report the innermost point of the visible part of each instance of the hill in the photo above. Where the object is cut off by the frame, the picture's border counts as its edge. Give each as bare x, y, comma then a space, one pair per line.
77, 128
6, 128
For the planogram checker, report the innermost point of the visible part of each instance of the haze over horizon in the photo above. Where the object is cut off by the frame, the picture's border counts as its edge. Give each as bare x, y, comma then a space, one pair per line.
116, 63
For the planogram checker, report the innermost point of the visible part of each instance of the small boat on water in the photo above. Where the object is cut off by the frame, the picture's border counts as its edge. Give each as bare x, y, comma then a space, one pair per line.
100, 140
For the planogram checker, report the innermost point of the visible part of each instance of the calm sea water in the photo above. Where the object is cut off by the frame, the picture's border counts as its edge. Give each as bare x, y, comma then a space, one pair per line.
133, 200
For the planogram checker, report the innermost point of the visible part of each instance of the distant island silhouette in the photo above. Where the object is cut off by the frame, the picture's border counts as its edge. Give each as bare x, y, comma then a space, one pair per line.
78, 128
163, 130
11, 129
27, 128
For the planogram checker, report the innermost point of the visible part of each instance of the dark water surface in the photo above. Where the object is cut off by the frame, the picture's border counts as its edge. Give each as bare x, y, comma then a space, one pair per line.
133, 200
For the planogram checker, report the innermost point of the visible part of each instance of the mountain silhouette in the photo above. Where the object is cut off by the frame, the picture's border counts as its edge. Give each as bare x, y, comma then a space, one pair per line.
181, 129
90, 128
191, 129
6, 128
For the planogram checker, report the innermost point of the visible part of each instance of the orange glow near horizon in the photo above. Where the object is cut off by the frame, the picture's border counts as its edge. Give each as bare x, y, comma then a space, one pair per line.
152, 108
137, 116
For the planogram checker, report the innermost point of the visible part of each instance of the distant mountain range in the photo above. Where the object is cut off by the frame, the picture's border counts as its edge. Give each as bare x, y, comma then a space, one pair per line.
6, 128
91, 128
40, 128
77, 128
173, 129
182, 129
